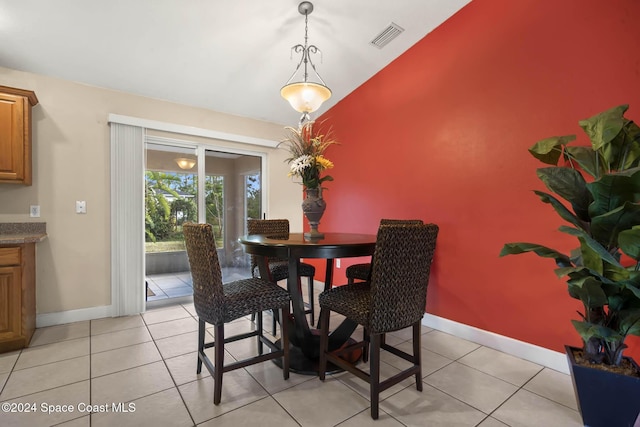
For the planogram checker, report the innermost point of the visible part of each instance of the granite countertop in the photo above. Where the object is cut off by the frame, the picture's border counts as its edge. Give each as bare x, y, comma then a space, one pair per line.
22, 232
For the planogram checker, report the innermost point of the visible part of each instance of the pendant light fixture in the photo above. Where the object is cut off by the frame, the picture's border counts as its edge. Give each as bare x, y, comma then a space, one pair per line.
185, 163
305, 96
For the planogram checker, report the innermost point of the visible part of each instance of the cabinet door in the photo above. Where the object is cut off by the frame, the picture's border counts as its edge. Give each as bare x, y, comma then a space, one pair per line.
10, 302
12, 137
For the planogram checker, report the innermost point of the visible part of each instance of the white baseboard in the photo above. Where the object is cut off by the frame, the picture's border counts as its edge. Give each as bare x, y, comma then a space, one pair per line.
533, 353
92, 313
62, 317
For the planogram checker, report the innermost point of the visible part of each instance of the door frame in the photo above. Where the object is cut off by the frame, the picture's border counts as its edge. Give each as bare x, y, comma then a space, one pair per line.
128, 137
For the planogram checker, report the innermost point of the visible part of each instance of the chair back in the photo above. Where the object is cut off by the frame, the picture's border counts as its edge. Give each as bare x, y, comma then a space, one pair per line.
208, 295
274, 228
400, 275
386, 221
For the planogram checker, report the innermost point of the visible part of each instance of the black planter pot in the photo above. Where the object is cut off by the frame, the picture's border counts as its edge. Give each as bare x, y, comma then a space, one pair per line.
605, 399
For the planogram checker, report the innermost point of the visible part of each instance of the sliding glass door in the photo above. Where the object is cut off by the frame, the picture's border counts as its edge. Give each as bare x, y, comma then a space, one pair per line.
232, 194
191, 182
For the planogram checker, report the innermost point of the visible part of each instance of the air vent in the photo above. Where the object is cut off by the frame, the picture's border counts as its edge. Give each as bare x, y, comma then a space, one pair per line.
388, 34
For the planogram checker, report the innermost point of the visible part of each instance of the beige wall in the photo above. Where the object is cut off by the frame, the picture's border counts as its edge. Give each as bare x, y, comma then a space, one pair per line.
71, 162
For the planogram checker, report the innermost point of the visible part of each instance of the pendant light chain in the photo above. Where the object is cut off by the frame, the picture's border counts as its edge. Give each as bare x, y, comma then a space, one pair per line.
304, 95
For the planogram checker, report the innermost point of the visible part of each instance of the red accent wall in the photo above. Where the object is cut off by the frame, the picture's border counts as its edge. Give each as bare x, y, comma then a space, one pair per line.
442, 134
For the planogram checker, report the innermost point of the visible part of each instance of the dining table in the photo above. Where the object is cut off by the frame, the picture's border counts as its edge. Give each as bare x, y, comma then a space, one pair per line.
305, 338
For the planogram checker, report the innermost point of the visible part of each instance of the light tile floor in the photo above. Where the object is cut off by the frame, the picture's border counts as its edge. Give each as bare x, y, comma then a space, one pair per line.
140, 371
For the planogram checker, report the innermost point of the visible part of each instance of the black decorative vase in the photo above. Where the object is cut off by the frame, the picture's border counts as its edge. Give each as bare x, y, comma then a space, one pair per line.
605, 399
313, 207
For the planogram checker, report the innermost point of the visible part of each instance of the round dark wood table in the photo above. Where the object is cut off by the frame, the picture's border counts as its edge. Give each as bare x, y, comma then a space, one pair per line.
305, 339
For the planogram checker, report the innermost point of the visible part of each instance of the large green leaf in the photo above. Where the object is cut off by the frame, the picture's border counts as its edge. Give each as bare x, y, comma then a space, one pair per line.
590, 330
604, 127
585, 157
615, 273
581, 272
589, 291
605, 228
542, 251
549, 150
633, 286
630, 321
632, 135
573, 272
613, 190
616, 302
623, 151
590, 258
570, 185
591, 243
561, 209
629, 242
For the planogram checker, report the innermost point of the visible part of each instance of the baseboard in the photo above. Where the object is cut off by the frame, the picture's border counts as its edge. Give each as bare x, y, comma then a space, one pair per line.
92, 313
533, 353
70, 316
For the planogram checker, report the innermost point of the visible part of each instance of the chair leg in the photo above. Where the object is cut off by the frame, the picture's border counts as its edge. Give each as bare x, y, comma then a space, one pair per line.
219, 362
260, 332
201, 331
374, 375
284, 340
365, 349
311, 303
324, 342
350, 281
274, 323
417, 360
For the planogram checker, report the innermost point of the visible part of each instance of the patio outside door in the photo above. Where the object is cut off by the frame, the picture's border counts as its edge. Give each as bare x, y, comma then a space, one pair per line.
192, 183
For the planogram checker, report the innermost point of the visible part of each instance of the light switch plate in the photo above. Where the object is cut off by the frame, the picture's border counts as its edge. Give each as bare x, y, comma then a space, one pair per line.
81, 207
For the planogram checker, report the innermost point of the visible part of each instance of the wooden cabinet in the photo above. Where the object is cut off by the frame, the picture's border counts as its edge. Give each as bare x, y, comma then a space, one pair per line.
15, 135
17, 296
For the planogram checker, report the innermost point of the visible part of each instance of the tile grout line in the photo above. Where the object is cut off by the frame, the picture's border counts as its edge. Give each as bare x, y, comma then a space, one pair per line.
164, 362
269, 394
545, 397
144, 364
482, 372
10, 372
519, 388
175, 385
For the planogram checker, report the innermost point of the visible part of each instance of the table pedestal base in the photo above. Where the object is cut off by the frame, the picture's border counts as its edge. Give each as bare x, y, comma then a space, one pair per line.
303, 365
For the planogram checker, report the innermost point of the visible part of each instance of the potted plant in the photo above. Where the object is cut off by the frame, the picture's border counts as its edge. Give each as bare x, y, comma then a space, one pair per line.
307, 161
596, 190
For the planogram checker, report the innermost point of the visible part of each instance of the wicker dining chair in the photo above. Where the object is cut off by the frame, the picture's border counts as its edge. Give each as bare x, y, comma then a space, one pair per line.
279, 268
217, 304
394, 299
362, 271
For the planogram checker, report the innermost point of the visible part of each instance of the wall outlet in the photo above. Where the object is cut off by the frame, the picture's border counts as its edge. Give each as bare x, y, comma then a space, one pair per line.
34, 211
338, 263
81, 207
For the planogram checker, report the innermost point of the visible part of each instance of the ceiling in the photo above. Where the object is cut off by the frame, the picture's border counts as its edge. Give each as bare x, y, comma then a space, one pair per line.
231, 56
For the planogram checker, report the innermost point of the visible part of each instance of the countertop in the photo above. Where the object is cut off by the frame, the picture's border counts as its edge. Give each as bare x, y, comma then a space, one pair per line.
22, 232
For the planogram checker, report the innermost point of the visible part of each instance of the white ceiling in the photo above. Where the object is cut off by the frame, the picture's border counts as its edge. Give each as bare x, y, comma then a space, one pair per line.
231, 56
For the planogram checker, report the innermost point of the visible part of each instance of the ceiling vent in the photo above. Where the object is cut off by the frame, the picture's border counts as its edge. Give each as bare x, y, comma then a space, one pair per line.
386, 35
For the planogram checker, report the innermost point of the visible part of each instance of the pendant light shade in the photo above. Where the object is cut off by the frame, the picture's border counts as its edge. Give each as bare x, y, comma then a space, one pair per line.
305, 96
